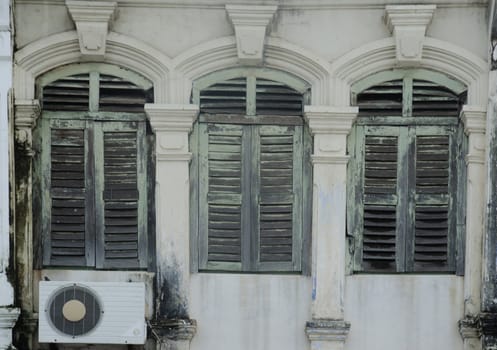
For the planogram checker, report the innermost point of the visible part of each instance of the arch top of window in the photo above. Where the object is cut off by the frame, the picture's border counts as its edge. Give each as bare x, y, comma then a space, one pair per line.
407, 93
94, 87
251, 91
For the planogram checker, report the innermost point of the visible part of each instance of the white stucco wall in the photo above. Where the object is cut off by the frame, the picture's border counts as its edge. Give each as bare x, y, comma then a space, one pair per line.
247, 312
410, 312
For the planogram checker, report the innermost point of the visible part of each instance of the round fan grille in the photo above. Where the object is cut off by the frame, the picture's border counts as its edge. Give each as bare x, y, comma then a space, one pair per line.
74, 310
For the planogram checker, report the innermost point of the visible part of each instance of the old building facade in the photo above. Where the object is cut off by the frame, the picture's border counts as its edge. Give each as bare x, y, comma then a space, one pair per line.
275, 175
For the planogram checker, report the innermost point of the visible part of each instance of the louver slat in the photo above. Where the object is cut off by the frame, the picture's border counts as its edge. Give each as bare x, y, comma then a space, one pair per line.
432, 204
121, 198
276, 194
68, 197
380, 202
274, 98
67, 94
430, 99
224, 196
119, 95
228, 97
381, 100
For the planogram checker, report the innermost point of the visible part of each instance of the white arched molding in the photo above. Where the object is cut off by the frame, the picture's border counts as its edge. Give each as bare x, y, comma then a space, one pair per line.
279, 54
458, 63
63, 48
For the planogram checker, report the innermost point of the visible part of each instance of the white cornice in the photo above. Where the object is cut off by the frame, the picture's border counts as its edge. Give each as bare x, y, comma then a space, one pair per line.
330, 120
171, 117
250, 23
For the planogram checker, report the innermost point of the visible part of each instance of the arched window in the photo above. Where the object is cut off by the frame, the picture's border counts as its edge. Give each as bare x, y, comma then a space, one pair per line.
406, 175
92, 168
251, 171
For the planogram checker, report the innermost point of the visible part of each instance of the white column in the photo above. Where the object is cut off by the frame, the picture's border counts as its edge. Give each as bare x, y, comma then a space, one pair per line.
474, 119
172, 125
8, 314
330, 127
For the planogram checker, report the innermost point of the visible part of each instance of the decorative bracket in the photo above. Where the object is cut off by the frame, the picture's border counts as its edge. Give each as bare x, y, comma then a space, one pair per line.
172, 124
408, 24
327, 330
26, 114
92, 20
474, 119
250, 24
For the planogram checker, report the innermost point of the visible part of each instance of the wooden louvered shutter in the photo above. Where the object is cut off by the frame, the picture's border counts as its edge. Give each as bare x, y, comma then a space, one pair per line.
68, 190
67, 94
435, 169
221, 170
381, 242
121, 195
277, 194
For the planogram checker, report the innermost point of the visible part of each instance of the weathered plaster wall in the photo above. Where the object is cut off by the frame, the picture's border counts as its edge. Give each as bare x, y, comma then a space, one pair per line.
247, 312
174, 29
403, 312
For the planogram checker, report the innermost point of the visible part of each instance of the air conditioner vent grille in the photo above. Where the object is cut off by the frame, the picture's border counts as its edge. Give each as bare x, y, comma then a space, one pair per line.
74, 310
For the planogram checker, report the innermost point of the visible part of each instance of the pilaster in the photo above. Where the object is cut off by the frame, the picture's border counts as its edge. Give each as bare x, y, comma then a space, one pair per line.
172, 125
330, 127
474, 119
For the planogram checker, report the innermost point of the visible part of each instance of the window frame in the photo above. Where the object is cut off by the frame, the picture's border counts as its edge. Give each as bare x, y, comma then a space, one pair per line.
198, 258
409, 124
94, 123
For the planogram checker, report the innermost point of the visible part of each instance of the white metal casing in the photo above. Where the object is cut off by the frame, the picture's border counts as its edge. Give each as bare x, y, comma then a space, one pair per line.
122, 322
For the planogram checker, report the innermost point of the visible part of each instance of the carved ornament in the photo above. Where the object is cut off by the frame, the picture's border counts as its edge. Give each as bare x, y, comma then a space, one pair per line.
92, 20
250, 23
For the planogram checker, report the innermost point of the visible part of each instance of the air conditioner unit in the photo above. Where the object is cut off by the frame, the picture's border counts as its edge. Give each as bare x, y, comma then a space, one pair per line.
92, 312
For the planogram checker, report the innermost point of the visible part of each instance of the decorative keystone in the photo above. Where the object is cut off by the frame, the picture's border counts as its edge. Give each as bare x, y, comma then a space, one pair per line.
327, 330
26, 114
408, 24
250, 23
92, 20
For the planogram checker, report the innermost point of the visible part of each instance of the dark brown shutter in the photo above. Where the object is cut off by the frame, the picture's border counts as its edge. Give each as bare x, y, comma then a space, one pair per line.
276, 194
384, 99
121, 198
67, 94
227, 97
433, 100
68, 197
222, 219
431, 243
274, 98
380, 202
119, 95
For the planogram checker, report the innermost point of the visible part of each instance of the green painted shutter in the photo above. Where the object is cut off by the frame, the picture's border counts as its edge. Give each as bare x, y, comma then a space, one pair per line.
220, 196
435, 186
68, 195
380, 202
277, 195
121, 195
